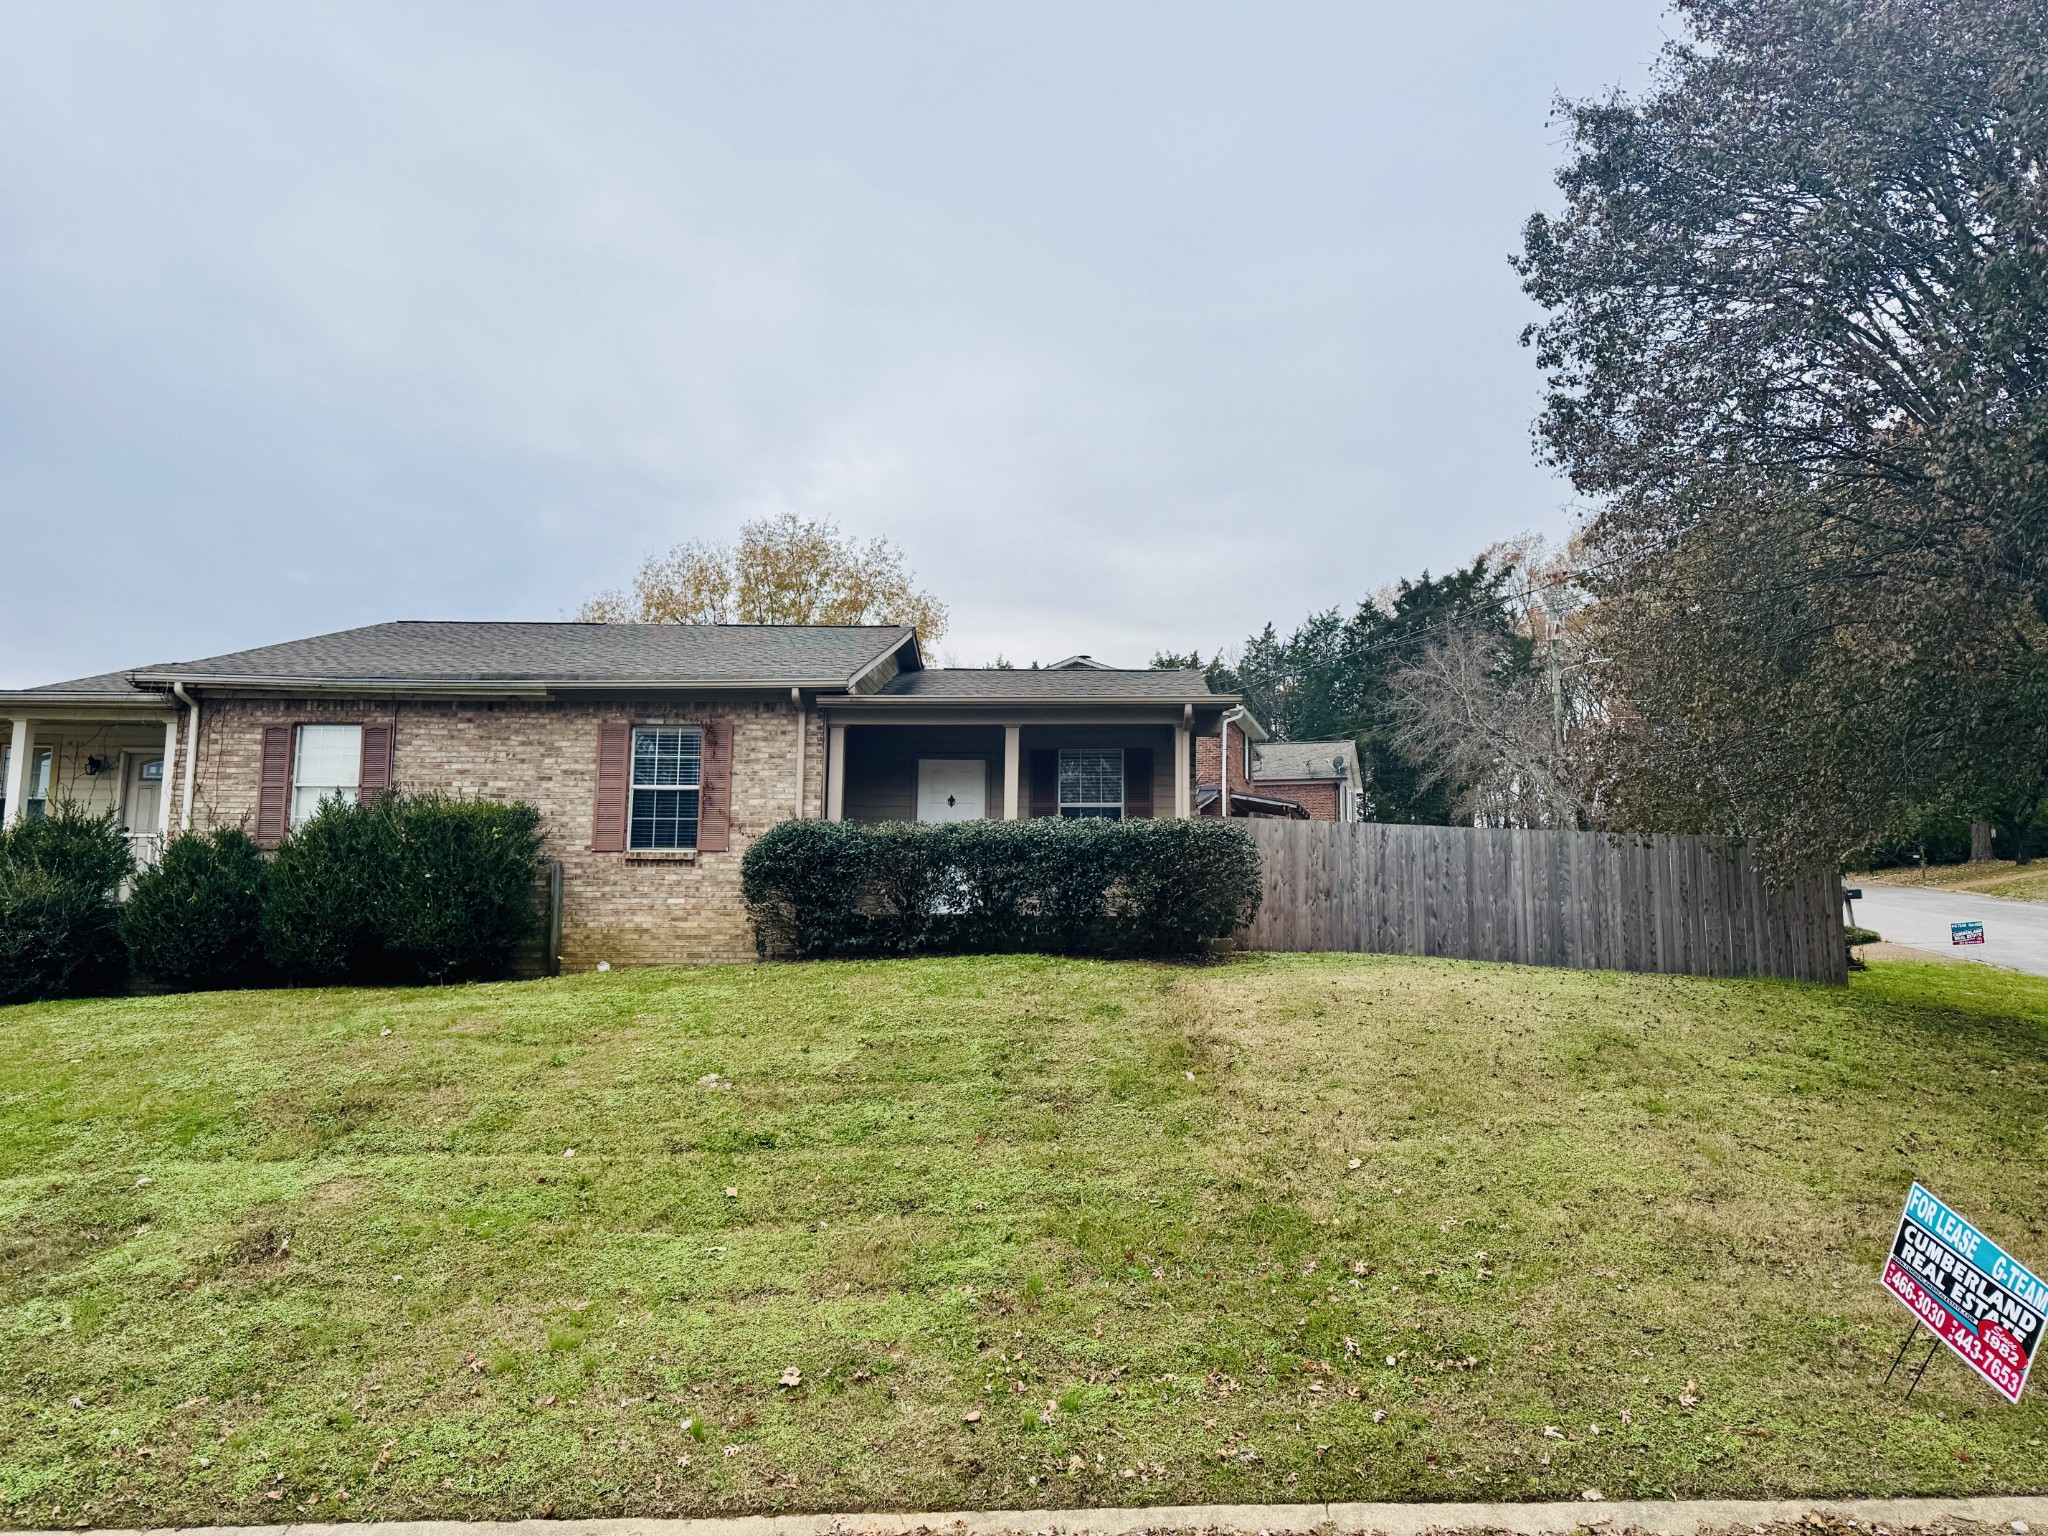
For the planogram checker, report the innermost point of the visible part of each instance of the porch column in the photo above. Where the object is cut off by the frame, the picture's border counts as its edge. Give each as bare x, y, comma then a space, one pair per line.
20, 744
1013, 756
1181, 795
163, 790
835, 774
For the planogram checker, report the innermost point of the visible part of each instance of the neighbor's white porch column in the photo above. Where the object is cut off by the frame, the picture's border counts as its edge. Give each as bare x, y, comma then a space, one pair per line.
1013, 758
1182, 796
21, 743
835, 773
163, 790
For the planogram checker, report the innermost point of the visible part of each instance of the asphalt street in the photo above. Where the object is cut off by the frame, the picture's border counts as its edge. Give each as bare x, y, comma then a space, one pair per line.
2015, 932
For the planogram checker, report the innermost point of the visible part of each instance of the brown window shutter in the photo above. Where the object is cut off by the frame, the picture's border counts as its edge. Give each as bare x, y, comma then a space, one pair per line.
1045, 782
714, 793
373, 783
274, 785
608, 819
1138, 782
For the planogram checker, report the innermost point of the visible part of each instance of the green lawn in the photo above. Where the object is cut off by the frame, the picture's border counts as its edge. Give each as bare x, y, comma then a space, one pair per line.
511, 1249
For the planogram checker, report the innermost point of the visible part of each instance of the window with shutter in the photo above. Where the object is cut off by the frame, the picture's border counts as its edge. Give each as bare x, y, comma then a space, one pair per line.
668, 779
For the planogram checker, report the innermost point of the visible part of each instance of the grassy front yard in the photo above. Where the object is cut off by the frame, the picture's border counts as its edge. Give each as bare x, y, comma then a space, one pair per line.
506, 1250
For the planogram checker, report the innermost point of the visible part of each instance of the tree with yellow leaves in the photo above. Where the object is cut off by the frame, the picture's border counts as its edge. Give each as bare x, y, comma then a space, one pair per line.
784, 570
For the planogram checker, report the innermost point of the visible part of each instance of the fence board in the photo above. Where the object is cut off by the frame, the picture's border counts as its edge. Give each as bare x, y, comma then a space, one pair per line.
1690, 905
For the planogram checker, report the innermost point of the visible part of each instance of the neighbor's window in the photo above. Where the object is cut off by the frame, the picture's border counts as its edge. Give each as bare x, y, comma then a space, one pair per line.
1092, 782
668, 768
327, 764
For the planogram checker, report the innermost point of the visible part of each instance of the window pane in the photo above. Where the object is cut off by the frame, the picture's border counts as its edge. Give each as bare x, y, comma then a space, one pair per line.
664, 818
307, 798
1092, 776
667, 756
329, 756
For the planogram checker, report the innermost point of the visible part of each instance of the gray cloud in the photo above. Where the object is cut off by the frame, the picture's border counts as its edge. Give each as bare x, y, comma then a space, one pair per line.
1136, 325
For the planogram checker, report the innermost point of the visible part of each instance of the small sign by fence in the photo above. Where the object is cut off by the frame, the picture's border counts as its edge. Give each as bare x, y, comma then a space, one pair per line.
1968, 1292
1966, 933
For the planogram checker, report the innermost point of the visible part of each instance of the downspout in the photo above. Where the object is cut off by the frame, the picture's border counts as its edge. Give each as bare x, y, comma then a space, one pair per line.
191, 752
796, 697
1223, 766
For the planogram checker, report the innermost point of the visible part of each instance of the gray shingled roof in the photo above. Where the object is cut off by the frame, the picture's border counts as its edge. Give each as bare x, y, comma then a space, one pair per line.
1303, 759
108, 684
1160, 686
415, 651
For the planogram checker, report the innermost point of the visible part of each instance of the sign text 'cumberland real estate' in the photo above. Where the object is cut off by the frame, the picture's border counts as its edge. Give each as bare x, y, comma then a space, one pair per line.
1977, 1299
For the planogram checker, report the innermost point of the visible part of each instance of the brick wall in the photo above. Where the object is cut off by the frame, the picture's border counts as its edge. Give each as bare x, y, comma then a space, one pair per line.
1206, 750
623, 908
1316, 796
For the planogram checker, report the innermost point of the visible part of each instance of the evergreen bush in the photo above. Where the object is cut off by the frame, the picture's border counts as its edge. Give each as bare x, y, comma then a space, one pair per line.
194, 919
59, 928
816, 889
407, 888
459, 895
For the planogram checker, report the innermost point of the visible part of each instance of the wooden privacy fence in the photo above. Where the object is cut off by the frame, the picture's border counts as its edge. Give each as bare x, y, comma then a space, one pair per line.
1695, 906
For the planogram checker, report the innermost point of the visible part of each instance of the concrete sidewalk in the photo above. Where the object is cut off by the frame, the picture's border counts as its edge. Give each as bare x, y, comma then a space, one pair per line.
1680, 1517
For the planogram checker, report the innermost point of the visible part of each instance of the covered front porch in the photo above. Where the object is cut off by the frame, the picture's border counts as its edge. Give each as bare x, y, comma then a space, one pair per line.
934, 759
100, 751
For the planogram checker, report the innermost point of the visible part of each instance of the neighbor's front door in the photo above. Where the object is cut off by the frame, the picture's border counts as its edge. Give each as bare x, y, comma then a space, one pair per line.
144, 795
952, 789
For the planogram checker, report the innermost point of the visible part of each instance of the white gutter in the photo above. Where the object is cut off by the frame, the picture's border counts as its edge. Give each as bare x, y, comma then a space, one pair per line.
191, 753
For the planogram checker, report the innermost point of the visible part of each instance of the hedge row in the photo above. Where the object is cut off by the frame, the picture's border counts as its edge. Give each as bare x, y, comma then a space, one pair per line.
1097, 887
413, 888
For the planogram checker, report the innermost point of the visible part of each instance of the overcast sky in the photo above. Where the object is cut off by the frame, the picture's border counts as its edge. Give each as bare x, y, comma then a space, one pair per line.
1135, 325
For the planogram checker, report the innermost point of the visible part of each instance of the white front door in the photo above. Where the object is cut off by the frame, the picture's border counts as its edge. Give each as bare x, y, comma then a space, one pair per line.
143, 795
952, 789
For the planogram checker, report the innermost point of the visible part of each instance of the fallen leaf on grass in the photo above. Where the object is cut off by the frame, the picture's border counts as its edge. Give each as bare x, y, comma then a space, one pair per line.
972, 1416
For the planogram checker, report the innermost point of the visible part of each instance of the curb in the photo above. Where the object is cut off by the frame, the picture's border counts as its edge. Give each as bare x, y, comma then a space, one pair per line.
1680, 1517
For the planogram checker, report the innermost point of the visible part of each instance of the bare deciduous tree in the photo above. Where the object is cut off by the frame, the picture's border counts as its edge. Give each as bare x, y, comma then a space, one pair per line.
1517, 738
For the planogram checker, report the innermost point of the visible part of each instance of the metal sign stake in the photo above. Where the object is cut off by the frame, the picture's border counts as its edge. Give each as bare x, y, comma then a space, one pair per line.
1906, 1343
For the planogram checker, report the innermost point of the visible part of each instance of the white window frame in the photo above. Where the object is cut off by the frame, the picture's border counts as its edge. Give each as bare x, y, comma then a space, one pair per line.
302, 806
683, 785
1084, 809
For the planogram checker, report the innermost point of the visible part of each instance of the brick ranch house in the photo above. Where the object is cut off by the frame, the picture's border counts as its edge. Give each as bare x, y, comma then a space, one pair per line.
655, 753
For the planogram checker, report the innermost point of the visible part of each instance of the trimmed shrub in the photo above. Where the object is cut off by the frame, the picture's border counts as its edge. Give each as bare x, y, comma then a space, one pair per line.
320, 894
816, 889
409, 888
459, 897
194, 919
59, 929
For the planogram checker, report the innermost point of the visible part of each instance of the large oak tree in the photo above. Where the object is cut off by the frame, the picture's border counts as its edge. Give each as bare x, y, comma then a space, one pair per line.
1797, 350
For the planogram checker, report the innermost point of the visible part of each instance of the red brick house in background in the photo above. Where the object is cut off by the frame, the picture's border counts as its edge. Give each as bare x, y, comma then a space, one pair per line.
1288, 780
655, 752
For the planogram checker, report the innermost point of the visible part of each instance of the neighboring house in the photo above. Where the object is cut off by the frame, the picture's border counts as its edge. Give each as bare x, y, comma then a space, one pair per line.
654, 752
1322, 777
1287, 780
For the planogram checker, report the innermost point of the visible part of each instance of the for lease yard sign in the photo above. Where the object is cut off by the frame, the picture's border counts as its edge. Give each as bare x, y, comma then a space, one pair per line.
1979, 1301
